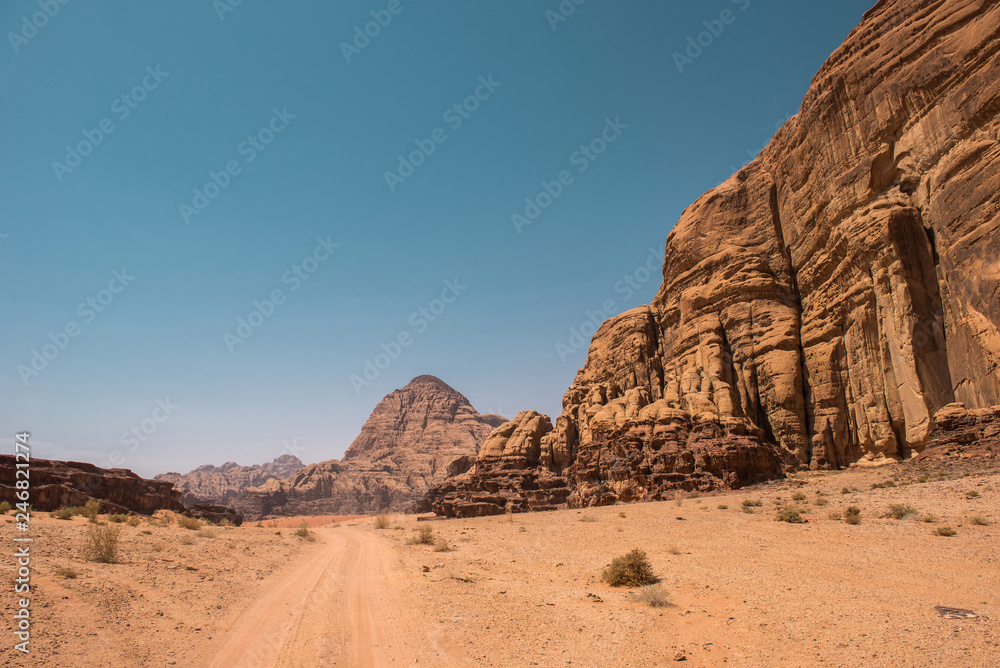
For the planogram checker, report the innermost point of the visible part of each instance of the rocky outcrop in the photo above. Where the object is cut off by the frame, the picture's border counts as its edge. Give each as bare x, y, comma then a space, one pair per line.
225, 484
415, 436
214, 513
56, 483
963, 433
820, 306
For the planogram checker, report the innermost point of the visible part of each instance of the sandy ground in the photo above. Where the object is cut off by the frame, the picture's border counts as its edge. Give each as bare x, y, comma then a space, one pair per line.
746, 590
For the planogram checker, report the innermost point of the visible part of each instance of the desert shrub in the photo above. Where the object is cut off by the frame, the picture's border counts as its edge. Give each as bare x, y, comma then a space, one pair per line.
147, 532
972, 494
630, 570
978, 520
679, 498
101, 543
754, 503
5, 507
303, 532
186, 522
226, 522
134, 521
67, 573
852, 515
509, 511
441, 545
922, 478
798, 496
929, 518
883, 485
790, 515
205, 532
748, 510
944, 531
845, 490
425, 536
835, 515
778, 501
654, 595
723, 506
187, 539
382, 521
898, 511
89, 510
820, 501
63, 513
117, 518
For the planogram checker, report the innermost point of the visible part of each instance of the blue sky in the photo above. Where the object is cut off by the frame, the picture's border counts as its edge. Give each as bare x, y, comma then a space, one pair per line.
169, 168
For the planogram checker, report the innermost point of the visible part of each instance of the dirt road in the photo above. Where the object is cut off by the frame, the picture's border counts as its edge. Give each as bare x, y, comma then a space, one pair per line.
336, 607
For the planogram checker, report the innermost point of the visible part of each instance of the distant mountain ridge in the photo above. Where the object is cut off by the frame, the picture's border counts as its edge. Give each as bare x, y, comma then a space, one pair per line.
223, 484
414, 438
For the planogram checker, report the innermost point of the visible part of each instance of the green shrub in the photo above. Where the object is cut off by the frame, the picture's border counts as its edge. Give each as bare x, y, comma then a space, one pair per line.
5, 507
790, 515
90, 509
382, 521
101, 543
63, 513
630, 570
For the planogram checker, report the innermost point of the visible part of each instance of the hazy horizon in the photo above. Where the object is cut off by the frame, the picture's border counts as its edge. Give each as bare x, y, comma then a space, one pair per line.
216, 219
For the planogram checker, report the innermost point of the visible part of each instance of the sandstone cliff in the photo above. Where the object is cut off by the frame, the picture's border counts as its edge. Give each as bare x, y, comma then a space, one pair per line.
57, 483
819, 307
414, 438
223, 484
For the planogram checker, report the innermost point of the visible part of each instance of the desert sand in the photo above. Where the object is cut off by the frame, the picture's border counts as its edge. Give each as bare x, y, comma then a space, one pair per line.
521, 590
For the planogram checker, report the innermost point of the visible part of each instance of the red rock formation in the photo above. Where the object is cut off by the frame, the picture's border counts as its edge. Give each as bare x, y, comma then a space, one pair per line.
224, 484
412, 439
829, 298
55, 484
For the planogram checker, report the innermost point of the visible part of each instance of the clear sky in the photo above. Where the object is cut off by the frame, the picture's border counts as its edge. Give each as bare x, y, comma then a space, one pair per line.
169, 169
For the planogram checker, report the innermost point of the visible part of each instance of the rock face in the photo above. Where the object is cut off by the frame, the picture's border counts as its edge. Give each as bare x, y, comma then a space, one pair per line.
821, 306
56, 483
412, 439
224, 484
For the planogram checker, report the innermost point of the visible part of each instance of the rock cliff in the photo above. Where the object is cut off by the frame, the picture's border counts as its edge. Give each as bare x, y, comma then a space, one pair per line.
224, 484
414, 438
57, 483
818, 308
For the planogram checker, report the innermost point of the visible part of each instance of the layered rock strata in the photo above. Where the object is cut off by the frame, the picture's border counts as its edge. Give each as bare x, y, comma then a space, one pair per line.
225, 484
819, 307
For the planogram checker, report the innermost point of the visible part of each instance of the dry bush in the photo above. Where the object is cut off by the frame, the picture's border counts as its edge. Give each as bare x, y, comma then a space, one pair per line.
922, 478
134, 521
630, 570
944, 531
509, 511
622, 515
187, 539
63, 513
117, 518
654, 595
382, 521
226, 522
972, 494
790, 515
101, 543
929, 518
5, 507
186, 522
845, 490
441, 545
147, 532
67, 573
206, 532
852, 515
303, 531
898, 511
820, 501
835, 516
978, 520
752, 503
679, 498
723, 506
798, 496
883, 485
425, 536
